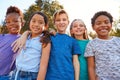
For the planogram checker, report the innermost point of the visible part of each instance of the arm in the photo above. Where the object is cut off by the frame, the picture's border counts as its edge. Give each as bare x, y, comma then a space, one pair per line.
44, 62
91, 68
76, 66
20, 42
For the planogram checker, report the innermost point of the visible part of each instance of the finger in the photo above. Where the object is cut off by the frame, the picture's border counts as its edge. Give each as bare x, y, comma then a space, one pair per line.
16, 46
19, 50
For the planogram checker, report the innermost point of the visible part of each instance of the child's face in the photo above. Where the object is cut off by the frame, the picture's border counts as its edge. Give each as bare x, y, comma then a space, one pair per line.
102, 26
78, 28
13, 23
37, 25
61, 22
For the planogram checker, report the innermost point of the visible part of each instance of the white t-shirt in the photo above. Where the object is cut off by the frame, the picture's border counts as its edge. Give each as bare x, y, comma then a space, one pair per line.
107, 57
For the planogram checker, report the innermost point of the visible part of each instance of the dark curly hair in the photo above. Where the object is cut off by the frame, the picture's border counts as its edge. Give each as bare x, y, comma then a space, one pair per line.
14, 9
96, 15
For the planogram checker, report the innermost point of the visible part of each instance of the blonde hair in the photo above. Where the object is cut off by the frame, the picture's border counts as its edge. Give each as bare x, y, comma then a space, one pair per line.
85, 36
59, 12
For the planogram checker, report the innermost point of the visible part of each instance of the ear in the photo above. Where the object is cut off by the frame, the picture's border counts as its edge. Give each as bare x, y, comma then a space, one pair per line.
22, 23
46, 27
93, 28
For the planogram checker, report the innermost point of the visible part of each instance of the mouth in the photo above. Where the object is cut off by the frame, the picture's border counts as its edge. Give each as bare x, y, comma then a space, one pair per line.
13, 28
103, 30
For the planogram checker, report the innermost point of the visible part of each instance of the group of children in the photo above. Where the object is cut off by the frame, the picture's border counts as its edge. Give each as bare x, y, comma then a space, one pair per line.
59, 56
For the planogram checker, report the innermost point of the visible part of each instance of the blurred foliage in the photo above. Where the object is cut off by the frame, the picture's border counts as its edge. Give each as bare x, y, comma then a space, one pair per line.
3, 28
48, 7
116, 28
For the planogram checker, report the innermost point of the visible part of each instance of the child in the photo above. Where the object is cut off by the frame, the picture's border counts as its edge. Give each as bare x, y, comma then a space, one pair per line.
78, 31
63, 62
14, 22
103, 52
31, 63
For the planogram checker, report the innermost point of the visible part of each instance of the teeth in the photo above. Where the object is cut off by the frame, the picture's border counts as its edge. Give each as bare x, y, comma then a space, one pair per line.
13, 28
104, 30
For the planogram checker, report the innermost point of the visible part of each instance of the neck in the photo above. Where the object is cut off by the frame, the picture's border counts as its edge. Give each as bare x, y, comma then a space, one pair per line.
79, 37
61, 32
105, 37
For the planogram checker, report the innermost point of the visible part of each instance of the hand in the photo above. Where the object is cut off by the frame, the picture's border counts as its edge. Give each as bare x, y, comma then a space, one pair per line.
17, 45
52, 31
20, 42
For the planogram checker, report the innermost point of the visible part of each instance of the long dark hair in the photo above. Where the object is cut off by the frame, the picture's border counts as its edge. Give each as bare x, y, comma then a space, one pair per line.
45, 39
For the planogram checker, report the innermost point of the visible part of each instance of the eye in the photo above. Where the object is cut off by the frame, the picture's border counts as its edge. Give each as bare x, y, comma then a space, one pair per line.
15, 21
7, 22
98, 23
64, 19
40, 22
74, 26
33, 21
57, 20
81, 25
107, 22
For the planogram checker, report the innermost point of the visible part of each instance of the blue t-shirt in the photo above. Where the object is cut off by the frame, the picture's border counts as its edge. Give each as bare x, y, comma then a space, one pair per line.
6, 53
60, 65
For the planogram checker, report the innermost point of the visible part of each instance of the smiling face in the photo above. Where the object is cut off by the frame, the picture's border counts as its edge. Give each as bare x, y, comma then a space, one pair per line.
78, 28
13, 23
61, 22
37, 25
102, 26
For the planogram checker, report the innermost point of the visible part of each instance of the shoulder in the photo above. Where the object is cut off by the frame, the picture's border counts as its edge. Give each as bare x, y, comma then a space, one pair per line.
116, 39
93, 41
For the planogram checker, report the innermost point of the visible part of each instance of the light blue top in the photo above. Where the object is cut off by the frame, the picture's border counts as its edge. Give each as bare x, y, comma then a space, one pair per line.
60, 65
29, 58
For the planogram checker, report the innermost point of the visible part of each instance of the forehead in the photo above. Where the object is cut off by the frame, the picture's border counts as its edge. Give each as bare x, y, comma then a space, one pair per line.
38, 17
78, 22
12, 15
101, 18
61, 15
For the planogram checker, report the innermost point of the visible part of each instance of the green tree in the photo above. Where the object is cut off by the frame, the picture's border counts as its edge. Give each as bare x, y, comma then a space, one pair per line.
48, 7
3, 28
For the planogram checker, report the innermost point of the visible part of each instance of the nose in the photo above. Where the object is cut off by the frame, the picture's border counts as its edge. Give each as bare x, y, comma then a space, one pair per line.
103, 24
36, 24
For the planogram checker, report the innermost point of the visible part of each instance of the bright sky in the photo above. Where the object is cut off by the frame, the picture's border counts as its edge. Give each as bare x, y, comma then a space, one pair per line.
82, 9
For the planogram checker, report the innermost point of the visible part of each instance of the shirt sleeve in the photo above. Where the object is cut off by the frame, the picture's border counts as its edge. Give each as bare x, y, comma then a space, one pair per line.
76, 48
89, 51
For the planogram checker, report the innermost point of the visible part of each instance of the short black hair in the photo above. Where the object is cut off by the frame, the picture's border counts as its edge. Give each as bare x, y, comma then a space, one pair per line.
96, 15
14, 9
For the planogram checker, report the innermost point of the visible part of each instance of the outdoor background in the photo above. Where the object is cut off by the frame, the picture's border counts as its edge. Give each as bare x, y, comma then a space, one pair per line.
82, 9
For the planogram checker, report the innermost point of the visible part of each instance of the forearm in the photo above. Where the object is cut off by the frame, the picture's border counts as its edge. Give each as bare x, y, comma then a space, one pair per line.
76, 67
42, 73
20, 42
91, 68
92, 75
44, 62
